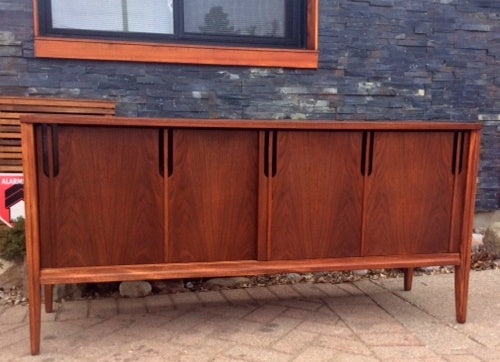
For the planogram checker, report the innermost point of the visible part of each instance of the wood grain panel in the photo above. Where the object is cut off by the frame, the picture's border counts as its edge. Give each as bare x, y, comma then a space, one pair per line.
45, 196
106, 204
213, 195
459, 212
317, 195
409, 194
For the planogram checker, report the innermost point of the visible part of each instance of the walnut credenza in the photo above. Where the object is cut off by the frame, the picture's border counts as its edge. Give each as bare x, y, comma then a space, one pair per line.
113, 199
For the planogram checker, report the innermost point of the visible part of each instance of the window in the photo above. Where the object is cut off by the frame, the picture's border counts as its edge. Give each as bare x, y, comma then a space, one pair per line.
274, 23
92, 17
232, 32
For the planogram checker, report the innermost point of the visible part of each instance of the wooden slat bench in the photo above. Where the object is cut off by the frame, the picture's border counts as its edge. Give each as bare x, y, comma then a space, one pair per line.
11, 108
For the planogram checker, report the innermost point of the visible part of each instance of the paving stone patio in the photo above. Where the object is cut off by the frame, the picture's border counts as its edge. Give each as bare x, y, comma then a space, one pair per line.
362, 321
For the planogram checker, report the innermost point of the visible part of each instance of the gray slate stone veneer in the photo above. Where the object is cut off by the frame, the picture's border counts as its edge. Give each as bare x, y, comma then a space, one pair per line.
379, 60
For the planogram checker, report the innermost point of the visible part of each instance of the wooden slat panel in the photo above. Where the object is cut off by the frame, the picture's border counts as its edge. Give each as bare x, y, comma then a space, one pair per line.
9, 117
47, 108
4, 168
11, 149
13, 155
9, 142
10, 135
10, 122
33, 101
12, 108
11, 162
10, 128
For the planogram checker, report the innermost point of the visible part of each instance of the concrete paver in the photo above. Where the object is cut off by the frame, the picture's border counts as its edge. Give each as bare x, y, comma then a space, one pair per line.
158, 303
72, 310
13, 315
295, 341
362, 321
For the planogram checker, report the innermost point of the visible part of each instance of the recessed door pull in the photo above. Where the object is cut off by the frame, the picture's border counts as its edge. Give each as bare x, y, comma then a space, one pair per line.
161, 152
45, 150
55, 149
170, 135
275, 153
363, 152
266, 153
372, 147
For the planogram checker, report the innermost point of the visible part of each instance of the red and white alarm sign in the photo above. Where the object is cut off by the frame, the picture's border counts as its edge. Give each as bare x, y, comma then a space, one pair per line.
11, 197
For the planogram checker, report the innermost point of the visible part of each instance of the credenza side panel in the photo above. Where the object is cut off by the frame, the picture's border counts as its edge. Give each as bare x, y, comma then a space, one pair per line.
44, 188
105, 193
459, 212
317, 195
213, 195
409, 194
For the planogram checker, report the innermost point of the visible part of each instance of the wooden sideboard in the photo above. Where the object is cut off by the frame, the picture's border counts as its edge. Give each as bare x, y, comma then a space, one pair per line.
114, 199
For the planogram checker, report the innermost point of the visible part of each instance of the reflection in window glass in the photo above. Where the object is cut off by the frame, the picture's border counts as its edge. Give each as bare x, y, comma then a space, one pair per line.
240, 17
141, 16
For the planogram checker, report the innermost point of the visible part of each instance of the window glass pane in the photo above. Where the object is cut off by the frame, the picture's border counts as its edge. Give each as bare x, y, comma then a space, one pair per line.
241, 17
142, 16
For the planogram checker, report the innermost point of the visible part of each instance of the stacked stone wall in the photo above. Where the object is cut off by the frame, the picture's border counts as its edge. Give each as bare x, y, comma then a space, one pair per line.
379, 60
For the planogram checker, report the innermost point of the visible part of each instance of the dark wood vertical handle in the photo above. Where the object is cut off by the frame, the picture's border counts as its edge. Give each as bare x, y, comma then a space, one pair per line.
275, 153
161, 152
363, 152
462, 147
170, 134
266, 154
45, 150
457, 158
55, 149
454, 153
372, 149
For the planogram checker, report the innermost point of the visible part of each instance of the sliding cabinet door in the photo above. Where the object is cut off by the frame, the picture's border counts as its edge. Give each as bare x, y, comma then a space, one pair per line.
317, 192
409, 193
213, 179
101, 195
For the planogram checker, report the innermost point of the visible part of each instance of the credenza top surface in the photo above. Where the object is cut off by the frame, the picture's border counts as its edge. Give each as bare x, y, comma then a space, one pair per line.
248, 124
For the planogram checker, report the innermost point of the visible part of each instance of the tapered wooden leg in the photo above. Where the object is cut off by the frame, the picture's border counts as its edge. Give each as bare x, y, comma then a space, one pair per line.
35, 308
48, 294
461, 292
32, 234
408, 278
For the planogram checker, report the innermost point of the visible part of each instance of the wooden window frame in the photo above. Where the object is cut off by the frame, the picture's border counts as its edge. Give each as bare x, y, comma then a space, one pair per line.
118, 50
